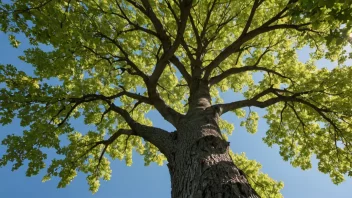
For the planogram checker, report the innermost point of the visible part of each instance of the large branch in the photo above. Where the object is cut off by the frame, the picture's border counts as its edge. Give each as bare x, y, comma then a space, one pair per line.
156, 136
256, 4
288, 97
216, 79
159, 137
76, 101
169, 48
281, 96
254, 67
174, 60
160, 34
165, 110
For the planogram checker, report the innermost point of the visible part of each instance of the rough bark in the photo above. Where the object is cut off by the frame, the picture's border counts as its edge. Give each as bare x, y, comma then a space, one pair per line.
200, 166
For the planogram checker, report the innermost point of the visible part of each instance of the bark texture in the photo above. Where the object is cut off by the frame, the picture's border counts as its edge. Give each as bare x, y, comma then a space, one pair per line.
200, 166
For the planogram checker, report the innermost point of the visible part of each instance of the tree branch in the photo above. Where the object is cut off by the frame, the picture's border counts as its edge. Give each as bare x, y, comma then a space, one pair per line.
42, 4
160, 138
174, 60
279, 14
94, 97
196, 34
216, 79
138, 27
294, 97
166, 111
200, 36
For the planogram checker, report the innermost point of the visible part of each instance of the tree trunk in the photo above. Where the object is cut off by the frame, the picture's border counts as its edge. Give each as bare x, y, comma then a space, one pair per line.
200, 165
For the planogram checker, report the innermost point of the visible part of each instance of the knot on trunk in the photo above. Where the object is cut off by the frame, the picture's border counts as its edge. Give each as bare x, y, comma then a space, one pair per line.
212, 144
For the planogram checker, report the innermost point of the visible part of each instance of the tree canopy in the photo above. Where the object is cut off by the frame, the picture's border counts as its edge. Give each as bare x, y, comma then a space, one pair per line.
111, 62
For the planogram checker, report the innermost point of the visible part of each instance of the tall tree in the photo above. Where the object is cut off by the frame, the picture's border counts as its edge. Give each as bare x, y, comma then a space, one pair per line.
112, 61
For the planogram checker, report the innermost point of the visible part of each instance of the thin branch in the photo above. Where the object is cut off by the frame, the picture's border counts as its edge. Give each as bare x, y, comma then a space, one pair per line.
135, 106
128, 61
103, 115
101, 157
281, 116
297, 115
207, 19
68, 114
135, 25
200, 36
189, 54
106, 143
42, 4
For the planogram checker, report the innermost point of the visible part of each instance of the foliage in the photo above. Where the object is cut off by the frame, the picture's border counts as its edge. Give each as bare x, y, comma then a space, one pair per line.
114, 61
265, 186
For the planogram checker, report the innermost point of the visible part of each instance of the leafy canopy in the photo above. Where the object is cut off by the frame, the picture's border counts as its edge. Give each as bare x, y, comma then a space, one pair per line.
111, 62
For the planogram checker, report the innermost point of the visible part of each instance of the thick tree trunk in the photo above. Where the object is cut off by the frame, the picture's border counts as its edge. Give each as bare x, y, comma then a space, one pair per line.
200, 166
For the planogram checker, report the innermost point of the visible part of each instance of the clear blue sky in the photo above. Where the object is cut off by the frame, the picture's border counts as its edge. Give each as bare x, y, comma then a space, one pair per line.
154, 181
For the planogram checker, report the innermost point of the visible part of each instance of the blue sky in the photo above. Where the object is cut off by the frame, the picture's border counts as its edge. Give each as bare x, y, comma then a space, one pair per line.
154, 181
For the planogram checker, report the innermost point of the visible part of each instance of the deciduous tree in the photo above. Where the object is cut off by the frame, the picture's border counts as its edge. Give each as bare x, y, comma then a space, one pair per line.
115, 60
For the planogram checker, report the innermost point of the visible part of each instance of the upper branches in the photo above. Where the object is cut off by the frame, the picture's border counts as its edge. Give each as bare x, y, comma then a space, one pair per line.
167, 54
248, 35
332, 117
168, 47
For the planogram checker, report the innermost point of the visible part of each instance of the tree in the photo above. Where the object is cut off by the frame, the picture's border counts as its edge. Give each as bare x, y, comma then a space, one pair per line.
114, 61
